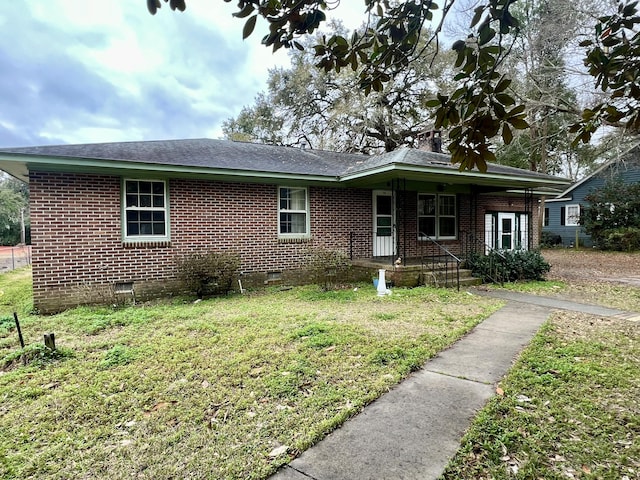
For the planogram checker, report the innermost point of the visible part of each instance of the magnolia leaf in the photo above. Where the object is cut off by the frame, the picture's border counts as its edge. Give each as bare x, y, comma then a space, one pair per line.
249, 26
502, 85
153, 6
178, 5
507, 135
245, 12
477, 15
518, 123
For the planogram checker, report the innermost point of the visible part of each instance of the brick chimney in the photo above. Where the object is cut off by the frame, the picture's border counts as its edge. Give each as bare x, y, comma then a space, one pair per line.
430, 141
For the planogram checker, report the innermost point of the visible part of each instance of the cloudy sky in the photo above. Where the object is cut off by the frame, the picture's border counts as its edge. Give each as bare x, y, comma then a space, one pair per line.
106, 70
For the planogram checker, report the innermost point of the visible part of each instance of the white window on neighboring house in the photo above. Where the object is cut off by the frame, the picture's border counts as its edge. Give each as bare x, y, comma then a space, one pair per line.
145, 210
293, 212
572, 215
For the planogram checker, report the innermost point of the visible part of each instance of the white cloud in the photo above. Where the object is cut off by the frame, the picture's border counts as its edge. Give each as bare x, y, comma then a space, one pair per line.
79, 72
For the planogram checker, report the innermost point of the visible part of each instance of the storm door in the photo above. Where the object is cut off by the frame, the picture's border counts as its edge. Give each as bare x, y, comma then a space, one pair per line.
383, 224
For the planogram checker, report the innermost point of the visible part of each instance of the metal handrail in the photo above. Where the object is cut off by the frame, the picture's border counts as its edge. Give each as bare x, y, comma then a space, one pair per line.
448, 256
493, 270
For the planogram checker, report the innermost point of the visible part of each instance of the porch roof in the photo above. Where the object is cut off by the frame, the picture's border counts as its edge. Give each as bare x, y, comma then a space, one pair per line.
242, 161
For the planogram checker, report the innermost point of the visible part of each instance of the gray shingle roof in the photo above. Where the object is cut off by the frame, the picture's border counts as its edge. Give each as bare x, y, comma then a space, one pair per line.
252, 157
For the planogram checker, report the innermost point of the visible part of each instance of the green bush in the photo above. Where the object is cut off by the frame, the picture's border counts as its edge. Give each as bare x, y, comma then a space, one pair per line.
612, 216
509, 266
328, 268
549, 239
209, 273
621, 239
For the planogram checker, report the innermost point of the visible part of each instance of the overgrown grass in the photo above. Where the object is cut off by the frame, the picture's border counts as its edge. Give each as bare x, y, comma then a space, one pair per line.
210, 390
570, 408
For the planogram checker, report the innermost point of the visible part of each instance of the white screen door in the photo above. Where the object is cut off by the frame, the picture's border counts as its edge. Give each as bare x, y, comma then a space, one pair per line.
383, 224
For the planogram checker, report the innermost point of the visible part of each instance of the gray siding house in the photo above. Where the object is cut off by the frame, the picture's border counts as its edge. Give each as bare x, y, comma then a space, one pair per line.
562, 214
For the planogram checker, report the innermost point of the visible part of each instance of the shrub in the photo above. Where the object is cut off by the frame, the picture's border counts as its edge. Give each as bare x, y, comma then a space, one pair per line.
328, 268
509, 266
208, 273
621, 239
612, 216
548, 239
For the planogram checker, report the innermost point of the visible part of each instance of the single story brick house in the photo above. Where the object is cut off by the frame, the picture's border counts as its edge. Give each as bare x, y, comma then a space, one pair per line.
115, 216
562, 213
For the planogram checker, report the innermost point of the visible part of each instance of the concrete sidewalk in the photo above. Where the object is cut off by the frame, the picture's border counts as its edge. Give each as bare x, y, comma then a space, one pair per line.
414, 430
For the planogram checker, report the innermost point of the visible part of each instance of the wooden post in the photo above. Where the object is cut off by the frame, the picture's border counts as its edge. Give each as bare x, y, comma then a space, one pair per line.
50, 341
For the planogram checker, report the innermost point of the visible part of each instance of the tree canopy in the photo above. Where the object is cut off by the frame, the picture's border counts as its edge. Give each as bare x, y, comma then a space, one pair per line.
482, 106
304, 106
14, 200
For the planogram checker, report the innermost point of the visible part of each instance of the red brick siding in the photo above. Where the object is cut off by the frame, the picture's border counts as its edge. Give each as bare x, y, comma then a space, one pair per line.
77, 239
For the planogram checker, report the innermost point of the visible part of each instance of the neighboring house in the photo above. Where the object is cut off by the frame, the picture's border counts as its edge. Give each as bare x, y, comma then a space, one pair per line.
115, 216
562, 213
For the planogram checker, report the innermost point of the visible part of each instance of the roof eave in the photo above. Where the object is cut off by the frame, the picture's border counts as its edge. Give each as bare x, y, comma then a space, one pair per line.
479, 178
20, 166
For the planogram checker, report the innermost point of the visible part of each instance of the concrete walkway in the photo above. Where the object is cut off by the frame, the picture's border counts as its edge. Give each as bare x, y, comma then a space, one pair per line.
414, 430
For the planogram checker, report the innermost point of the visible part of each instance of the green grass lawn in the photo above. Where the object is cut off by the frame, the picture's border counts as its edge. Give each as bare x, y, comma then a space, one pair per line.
570, 408
231, 387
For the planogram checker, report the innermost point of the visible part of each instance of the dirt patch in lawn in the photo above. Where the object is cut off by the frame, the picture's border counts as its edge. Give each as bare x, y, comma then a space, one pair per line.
588, 266
610, 279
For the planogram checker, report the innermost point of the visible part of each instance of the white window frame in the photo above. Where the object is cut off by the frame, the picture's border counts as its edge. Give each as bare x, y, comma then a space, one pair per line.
164, 209
306, 212
439, 215
572, 219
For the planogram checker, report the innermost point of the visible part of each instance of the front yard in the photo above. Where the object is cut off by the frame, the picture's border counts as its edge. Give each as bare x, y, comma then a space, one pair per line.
234, 387
225, 388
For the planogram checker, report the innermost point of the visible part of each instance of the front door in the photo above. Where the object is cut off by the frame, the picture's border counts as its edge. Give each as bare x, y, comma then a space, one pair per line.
506, 231
383, 224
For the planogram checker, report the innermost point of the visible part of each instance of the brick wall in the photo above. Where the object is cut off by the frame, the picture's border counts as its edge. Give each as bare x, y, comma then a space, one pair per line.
78, 253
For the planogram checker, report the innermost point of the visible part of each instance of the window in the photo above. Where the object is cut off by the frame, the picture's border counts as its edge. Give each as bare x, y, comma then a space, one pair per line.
545, 219
293, 212
145, 210
572, 215
437, 216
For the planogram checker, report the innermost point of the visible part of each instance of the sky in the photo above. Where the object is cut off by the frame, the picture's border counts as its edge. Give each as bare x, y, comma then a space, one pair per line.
107, 71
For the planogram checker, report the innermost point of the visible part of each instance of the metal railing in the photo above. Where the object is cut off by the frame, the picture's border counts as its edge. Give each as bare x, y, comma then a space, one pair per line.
369, 244
14, 257
471, 244
440, 263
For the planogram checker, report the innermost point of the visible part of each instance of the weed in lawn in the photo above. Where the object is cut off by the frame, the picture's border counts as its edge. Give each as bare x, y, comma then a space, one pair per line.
36, 355
7, 324
118, 355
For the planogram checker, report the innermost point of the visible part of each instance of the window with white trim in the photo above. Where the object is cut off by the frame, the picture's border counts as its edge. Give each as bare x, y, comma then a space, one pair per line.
437, 216
145, 210
293, 212
572, 215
